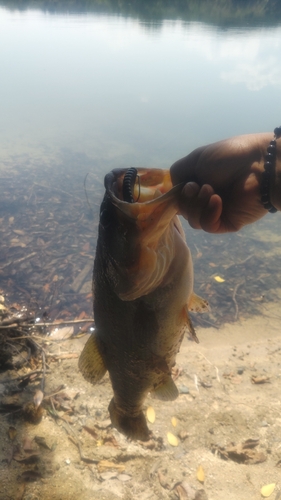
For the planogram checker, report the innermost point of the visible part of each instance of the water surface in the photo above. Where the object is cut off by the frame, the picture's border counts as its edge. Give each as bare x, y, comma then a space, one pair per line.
84, 93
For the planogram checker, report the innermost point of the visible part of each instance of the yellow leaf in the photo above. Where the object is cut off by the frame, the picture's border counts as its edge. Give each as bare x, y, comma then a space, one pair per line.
172, 439
267, 490
219, 279
174, 421
200, 474
150, 413
12, 433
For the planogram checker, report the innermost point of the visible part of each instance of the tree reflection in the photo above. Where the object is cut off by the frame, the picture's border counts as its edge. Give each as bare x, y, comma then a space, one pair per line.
224, 13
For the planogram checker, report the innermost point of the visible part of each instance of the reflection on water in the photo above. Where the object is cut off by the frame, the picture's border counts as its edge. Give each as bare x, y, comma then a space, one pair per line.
224, 13
85, 94
106, 87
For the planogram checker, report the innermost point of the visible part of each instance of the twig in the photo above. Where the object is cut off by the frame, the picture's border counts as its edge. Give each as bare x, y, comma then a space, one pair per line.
16, 320
64, 355
234, 299
21, 377
57, 189
82, 456
195, 378
241, 261
212, 364
42, 384
86, 194
71, 435
54, 323
18, 261
70, 322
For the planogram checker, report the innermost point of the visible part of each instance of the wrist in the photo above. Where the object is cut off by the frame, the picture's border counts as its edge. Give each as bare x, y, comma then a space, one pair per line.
275, 191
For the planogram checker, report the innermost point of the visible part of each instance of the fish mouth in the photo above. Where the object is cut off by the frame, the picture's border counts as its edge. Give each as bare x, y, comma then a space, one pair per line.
141, 191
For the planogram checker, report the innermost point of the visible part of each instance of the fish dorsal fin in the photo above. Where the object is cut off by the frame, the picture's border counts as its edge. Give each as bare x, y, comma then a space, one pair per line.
167, 391
90, 362
197, 304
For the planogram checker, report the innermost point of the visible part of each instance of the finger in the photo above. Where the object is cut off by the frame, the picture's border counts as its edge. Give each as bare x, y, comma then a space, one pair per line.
211, 220
194, 202
184, 170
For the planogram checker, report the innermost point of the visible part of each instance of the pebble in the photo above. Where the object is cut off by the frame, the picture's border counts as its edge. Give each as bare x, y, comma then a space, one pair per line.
183, 389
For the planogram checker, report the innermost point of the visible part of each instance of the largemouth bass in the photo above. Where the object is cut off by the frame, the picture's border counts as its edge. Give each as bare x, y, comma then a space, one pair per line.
143, 290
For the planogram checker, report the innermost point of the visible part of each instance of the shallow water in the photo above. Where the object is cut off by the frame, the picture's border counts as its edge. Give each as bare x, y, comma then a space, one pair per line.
82, 94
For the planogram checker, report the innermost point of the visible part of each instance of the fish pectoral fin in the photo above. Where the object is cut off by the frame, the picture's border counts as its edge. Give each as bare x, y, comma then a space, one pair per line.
197, 304
167, 391
90, 362
190, 325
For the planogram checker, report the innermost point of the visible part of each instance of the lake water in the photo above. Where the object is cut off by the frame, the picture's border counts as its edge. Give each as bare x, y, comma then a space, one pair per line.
82, 94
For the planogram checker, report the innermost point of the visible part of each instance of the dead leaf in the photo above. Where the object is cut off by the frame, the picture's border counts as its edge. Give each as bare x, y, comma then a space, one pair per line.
181, 493
62, 333
219, 279
267, 490
38, 398
124, 477
31, 475
19, 231
12, 432
27, 444
172, 439
150, 414
174, 421
184, 491
242, 453
163, 480
200, 474
28, 458
41, 441
262, 379
108, 475
46, 288
82, 315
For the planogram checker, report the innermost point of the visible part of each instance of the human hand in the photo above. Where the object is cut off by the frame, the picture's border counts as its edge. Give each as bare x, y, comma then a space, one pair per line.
222, 193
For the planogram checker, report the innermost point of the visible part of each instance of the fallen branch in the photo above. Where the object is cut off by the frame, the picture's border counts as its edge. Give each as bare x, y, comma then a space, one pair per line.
54, 323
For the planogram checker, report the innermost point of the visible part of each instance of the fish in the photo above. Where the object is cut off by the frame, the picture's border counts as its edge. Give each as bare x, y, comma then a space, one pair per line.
143, 292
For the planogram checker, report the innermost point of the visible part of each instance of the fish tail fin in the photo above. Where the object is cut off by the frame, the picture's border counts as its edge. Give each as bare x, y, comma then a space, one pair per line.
133, 427
197, 304
90, 362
